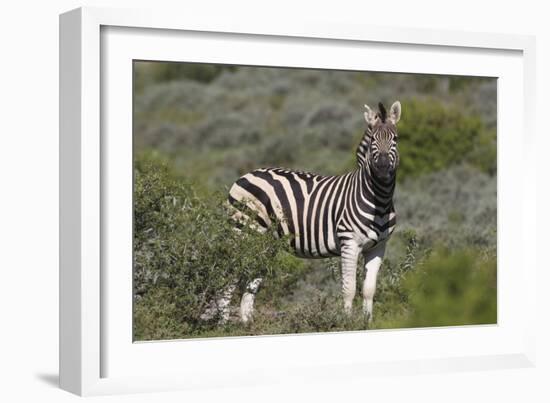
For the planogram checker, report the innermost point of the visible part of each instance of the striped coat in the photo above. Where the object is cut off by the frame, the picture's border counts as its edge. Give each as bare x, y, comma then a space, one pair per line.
325, 216
319, 212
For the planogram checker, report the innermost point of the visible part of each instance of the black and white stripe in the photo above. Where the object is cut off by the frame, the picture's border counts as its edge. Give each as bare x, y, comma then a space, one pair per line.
324, 216
321, 212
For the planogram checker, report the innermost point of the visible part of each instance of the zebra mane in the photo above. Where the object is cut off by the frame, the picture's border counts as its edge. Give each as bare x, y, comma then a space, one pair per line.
382, 114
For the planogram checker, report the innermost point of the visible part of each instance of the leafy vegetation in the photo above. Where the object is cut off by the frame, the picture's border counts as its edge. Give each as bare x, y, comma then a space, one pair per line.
199, 127
309, 120
165, 72
186, 252
435, 136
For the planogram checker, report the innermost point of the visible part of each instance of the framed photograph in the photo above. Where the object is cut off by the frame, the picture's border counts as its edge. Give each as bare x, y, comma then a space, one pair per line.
244, 203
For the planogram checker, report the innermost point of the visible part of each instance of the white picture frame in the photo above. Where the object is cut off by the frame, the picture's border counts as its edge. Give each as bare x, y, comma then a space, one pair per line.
96, 355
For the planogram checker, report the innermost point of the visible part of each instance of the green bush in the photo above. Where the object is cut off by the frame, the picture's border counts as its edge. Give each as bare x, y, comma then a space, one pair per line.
441, 288
187, 252
434, 136
307, 119
158, 72
447, 289
213, 123
453, 289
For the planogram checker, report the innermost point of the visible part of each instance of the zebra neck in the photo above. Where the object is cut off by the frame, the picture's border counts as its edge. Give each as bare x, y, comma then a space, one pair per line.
375, 191
362, 149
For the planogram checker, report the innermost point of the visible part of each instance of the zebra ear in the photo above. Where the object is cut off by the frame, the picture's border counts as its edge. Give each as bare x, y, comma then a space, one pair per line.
370, 115
395, 112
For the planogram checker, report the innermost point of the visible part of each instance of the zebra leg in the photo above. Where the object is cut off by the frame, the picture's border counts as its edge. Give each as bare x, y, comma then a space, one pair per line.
247, 300
373, 260
350, 253
221, 305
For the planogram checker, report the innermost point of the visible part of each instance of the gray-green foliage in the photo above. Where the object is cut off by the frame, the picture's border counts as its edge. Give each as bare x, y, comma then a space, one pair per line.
456, 207
211, 124
452, 288
312, 120
434, 136
186, 252
446, 288
148, 73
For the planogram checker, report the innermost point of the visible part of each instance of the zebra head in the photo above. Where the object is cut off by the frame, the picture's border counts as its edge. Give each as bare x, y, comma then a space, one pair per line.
381, 140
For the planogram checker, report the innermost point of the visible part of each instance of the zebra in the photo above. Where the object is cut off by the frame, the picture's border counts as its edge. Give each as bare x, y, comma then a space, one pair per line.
326, 216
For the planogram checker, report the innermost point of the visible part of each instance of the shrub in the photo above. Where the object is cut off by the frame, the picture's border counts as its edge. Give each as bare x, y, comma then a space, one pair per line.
456, 207
214, 124
447, 289
158, 72
187, 252
311, 120
434, 136
453, 289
